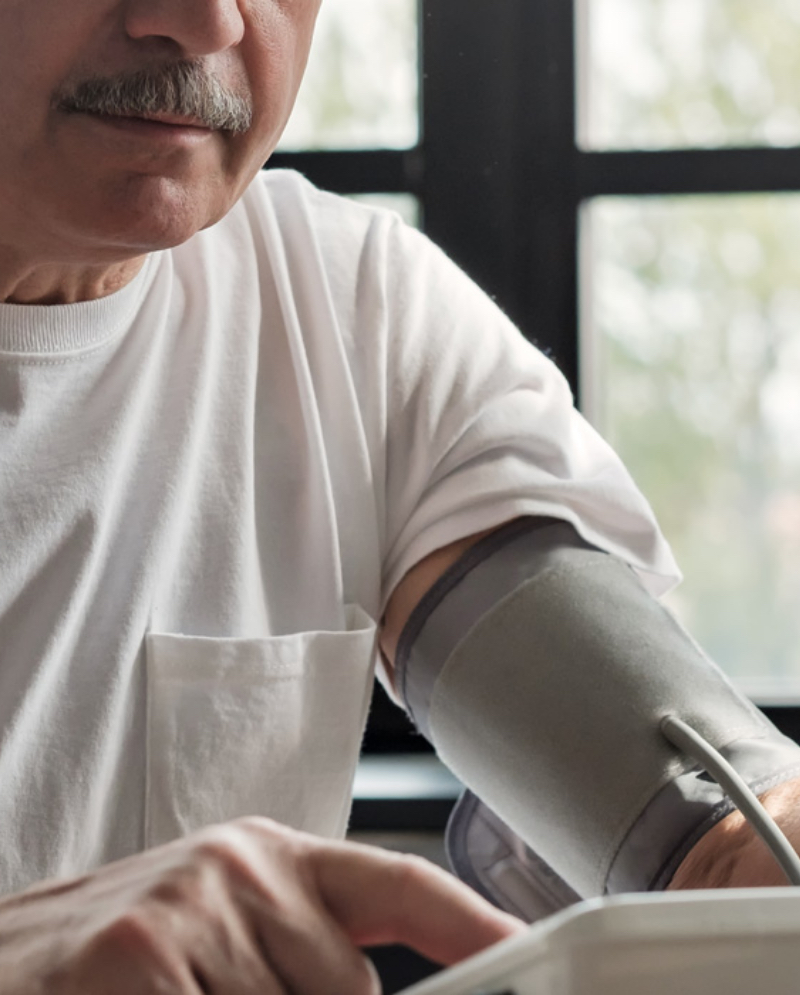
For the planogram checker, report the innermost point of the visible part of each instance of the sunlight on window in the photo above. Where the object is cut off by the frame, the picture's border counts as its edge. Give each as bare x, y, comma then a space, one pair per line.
666, 73
361, 88
692, 366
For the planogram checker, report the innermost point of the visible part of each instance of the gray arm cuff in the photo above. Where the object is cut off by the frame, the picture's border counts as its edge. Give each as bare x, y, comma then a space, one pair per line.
540, 669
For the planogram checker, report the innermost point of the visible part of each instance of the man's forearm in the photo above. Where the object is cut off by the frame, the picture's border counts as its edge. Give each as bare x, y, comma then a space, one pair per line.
731, 855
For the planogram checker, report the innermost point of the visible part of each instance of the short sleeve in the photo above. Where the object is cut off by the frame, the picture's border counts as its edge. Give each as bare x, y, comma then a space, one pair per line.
481, 428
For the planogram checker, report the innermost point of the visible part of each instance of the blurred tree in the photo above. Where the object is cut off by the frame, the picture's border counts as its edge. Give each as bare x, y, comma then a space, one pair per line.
361, 87
692, 72
696, 309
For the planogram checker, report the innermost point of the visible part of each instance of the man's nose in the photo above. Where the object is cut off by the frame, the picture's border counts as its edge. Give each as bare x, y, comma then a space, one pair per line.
199, 27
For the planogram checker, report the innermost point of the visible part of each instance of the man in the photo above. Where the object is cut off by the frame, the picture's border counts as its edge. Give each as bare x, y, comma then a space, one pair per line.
241, 421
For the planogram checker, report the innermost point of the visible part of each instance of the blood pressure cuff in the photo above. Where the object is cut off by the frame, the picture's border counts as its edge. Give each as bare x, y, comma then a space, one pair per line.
540, 669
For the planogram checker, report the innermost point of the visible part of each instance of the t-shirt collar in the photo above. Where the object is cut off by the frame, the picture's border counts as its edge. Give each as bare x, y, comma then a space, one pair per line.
34, 329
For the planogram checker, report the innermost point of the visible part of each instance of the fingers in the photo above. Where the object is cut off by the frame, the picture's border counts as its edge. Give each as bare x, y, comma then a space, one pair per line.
381, 897
317, 900
252, 906
226, 957
130, 955
267, 930
313, 955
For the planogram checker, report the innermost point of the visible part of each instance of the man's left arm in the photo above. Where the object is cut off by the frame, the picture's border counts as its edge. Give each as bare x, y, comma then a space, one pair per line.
728, 854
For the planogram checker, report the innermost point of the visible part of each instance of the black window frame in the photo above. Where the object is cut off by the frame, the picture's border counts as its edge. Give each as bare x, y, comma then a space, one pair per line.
502, 179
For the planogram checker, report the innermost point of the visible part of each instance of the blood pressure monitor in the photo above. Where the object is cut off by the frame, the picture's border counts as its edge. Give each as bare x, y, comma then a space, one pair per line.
738, 942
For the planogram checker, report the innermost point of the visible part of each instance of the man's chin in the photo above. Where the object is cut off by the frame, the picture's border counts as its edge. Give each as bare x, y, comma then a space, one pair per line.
161, 214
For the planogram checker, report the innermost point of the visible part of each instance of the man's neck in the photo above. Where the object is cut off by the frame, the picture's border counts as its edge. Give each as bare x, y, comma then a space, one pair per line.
56, 284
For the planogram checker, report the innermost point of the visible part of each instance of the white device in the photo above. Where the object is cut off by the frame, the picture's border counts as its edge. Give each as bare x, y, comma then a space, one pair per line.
739, 942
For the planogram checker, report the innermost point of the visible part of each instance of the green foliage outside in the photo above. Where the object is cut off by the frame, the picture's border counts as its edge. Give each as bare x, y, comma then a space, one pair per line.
360, 90
696, 308
663, 73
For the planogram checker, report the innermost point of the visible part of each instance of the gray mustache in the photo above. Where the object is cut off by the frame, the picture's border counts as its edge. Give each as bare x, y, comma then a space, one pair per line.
182, 88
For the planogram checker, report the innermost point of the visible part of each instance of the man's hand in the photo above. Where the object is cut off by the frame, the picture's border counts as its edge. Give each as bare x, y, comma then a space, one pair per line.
248, 906
731, 855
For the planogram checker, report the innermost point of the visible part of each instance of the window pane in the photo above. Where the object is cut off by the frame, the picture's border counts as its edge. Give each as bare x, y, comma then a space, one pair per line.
666, 73
360, 89
692, 337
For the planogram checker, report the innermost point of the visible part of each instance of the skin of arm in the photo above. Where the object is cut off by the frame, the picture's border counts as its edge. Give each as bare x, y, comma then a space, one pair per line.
729, 856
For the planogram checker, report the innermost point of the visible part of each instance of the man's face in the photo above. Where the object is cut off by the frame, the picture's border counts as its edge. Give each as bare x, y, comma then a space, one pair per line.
88, 187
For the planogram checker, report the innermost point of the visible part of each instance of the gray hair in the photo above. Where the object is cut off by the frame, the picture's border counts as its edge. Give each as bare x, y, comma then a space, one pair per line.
184, 88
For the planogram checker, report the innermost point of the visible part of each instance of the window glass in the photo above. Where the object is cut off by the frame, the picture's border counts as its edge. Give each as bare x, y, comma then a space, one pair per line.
668, 73
361, 86
691, 366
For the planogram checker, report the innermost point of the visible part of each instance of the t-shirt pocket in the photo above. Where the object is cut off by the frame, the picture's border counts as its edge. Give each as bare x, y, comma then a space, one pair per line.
267, 726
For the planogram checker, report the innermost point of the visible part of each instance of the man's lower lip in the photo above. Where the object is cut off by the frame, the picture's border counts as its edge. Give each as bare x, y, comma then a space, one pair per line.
155, 130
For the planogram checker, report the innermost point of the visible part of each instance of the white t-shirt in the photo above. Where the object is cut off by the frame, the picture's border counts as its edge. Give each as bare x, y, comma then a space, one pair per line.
211, 481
